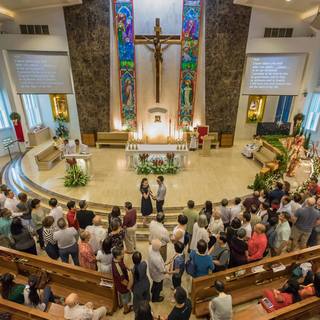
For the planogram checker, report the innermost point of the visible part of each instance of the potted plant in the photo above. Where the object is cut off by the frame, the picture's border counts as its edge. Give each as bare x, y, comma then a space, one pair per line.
75, 177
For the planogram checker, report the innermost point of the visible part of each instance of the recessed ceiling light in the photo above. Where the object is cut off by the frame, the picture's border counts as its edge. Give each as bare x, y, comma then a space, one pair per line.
288, 0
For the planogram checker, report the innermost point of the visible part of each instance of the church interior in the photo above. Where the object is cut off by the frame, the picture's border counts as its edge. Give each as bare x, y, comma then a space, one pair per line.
160, 159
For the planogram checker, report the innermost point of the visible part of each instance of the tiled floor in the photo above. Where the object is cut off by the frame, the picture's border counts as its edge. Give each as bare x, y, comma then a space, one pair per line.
225, 174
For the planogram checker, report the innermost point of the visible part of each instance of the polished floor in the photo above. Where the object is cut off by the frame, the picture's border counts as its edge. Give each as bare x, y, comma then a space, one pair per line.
225, 174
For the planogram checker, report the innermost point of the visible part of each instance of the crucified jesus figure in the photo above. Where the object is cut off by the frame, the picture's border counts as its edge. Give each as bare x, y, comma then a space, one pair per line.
157, 44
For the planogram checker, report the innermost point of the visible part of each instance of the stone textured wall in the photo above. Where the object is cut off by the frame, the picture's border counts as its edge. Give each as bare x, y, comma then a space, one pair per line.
227, 27
88, 33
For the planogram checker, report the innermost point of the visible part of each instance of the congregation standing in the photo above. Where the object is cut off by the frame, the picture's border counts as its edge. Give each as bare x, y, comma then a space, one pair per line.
212, 239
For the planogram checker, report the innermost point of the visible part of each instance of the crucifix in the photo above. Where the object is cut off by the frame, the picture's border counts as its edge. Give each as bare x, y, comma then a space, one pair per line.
155, 44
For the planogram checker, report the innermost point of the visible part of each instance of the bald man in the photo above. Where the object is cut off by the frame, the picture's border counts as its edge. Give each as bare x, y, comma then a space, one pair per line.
74, 311
304, 219
97, 233
157, 270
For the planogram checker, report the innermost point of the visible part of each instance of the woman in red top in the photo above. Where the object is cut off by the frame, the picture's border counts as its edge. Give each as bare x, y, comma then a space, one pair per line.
87, 258
257, 244
72, 215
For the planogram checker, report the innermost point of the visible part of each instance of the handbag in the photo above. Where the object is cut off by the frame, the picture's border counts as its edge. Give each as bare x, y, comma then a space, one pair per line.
43, 279
191, 268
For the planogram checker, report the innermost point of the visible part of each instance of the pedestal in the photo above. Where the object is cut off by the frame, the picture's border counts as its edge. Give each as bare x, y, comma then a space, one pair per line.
206, 146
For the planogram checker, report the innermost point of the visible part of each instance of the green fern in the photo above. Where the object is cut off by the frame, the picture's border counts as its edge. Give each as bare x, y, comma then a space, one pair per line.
75, 177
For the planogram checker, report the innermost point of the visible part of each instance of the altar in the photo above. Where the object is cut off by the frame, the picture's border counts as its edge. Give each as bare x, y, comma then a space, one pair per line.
156, 151
86, 157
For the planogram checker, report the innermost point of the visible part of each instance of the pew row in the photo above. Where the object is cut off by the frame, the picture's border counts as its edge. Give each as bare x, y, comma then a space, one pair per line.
64, 278
305, 308
21, 312
244, 284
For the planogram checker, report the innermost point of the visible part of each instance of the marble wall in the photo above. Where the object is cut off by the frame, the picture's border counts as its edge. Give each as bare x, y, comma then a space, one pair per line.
227, 27
88, 33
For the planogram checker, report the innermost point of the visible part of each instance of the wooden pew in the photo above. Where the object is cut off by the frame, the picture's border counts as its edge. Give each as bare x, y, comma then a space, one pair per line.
64, 278
248, 286
296, 311
21, 312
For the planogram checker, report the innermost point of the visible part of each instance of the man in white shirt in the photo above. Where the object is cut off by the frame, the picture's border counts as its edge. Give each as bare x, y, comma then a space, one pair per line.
158, 231
3, 198
80, 147
246, 224
11, 203
295, 203
56, 211
236, 209
74, 311
156, 270
285, 205
283, 232
97, 234
68, 148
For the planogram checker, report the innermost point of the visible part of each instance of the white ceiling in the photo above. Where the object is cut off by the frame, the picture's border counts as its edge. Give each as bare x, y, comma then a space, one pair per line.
301, 7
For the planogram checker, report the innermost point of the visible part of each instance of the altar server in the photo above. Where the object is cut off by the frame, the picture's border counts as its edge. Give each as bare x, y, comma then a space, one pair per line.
69, 147
80, 148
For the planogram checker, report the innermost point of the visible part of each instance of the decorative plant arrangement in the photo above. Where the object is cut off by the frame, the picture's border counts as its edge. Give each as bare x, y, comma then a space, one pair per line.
75, 177
315, 173
62, 130
157, 165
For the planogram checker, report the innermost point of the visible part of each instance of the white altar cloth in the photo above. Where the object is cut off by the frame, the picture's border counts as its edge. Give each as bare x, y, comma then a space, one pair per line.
86, 157
156, 150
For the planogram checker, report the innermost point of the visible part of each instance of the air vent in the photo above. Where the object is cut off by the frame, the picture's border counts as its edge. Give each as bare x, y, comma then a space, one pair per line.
278, 32
34, 29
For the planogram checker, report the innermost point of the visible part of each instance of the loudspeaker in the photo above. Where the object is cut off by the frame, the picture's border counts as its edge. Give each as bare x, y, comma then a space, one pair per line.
316, 22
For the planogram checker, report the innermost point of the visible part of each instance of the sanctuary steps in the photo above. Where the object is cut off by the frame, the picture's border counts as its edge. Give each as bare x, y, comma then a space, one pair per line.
13, 176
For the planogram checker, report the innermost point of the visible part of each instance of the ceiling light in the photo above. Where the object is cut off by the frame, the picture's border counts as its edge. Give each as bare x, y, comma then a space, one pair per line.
288, 0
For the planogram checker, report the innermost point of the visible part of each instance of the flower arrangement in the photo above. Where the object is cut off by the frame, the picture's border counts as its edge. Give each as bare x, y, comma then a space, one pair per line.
157, 165
62, 130
315, 173
75, 177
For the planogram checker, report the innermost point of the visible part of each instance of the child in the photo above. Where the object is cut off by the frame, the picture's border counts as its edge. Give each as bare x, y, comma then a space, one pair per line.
177, 265
121, 279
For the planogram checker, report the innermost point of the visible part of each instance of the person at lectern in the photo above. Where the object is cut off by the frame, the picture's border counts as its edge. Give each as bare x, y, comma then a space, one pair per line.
69, 148
80, 147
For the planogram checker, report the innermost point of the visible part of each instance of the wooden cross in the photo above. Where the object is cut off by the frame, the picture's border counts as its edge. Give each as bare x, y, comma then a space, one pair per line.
154, 43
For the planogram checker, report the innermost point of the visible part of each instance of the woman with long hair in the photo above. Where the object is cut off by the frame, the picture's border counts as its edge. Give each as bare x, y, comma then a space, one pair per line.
23, 239
104, 256
207, 210
10, 290
141, 284
146, 204
144, 311
114, 214
36, 298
